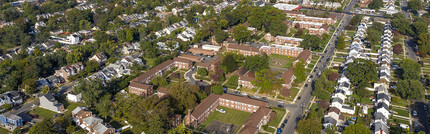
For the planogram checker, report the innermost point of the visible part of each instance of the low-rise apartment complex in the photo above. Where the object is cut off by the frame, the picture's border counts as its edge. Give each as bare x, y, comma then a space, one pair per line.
259, 117
140, 85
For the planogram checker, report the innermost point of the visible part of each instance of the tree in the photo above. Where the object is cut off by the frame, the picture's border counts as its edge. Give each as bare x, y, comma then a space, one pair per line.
181, 129
183, 96
414, 5
362, 72
398, 49
233, 80
92, 66
376, 4
277, 27
104, 106
202, 71
44, 127
341, 43
7, 106
256, 63
70, 129
410, 69
157, 125
331, 129
402, 24
230, 62
159, 81
409, 89
267, 82
91, 91
333, 76
357, 128
419, 28
220, 36
217, 89
424, 43
355, 20
300, 71
311, 125
312, 42
257, 17
321, 85
241, 33
29, 86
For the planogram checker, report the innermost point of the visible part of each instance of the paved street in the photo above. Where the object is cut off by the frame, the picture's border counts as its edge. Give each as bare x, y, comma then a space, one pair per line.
411, 48
421, 118
297, 110
191, 80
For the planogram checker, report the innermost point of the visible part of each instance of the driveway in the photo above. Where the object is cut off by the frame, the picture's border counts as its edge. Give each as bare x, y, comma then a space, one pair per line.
192, 81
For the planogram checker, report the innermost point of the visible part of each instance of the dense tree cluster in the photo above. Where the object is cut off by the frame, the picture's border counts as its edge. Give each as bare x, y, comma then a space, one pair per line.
256, 63
361, 73
230, 62
267, 81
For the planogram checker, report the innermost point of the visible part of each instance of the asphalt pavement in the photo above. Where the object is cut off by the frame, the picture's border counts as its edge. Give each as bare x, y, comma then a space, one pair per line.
193, 81
298, 109
421, 118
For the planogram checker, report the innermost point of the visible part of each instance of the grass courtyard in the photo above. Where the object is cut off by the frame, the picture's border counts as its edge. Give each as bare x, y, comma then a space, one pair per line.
279, 115
281, 61
231, 116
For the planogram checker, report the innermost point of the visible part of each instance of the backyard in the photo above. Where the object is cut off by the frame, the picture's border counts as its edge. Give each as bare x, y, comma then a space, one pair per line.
231, 116
43, 113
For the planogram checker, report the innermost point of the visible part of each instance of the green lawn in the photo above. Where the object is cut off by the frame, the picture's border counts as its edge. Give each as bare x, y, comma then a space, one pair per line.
43, 113
399, 101
279, 115
149, 61
399, 120
286, 60
314, 107
293, 93
4, 131
401, 112
202, 77
70, 106
269, 129
231, 116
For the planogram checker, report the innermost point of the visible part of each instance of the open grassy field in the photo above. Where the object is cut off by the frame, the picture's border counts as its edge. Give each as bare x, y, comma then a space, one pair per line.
231, 116
401, 112
279, 115
43, 113
4, 131
281, 61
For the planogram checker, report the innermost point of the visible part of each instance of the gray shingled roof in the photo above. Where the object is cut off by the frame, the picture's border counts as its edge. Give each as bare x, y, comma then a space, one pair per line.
337, 100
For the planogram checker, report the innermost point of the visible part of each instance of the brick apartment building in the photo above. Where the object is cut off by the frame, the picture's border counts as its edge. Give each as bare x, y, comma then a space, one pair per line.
212, 65
305, 55
69, 70
246, 81
202, 51
281, 50
140, 85
314, 28
293, 14
242, 49
288, 41
302, 17
259, 117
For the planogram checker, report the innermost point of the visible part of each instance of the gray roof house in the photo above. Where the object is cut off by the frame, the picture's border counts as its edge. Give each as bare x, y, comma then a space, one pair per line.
48, 102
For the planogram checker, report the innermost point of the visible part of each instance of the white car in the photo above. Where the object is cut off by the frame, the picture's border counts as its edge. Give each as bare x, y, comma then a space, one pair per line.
280, 101
34, 105
243, 93
221, 110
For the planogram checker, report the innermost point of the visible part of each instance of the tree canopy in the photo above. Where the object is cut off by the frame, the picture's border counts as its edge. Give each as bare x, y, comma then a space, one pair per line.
410, 69
256, 63
241, 33
300, 71
267, 82
357, 128
409, 89
424, 43
362, 72
311, 125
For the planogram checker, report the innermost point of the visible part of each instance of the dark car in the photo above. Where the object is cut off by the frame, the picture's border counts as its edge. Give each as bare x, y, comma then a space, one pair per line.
300, 97
280, 106
285, 121
264, 98
283, 125
279, 131
35, 116
306, 85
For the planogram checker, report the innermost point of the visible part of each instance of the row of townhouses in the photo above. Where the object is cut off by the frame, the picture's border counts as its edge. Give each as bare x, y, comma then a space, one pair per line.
170, 29
187, 35
383, 99
315, 25
335, 116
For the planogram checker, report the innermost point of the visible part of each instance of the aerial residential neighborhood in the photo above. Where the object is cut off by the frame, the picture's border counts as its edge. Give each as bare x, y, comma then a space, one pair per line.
215, 66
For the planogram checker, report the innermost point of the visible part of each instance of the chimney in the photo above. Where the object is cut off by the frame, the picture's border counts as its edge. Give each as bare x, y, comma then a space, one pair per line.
189, 117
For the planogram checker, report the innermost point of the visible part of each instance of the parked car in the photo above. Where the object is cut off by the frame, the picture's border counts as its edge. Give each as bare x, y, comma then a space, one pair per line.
285, 121
415, 123
221, 110
280, 106
35, 116
280, 101
415, 113
425, 106
300, 97
55, 115
264, 98
279, 131
34, 105
243, 93
256, 96
283, 125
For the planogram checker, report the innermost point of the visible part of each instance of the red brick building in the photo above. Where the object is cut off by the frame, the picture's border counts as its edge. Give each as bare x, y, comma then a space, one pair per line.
314, 28
212, 65
246, 82
288, 77
288, 41
293, 14
305, 55
140, 85
242, 49
202, 51
281, 50
330, 20
259, 117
